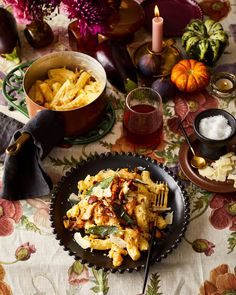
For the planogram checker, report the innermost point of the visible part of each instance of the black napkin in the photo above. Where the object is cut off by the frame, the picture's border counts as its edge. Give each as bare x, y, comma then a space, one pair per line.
8, 127
24, 175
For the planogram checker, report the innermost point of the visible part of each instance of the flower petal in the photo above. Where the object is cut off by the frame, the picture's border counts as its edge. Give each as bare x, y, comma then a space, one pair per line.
6, 226
5, 289
226, 282
218, 201
18, 211
181, 107
220, 219
37, 203
221, 269
2, 273
208, 288
8, 208
41, 218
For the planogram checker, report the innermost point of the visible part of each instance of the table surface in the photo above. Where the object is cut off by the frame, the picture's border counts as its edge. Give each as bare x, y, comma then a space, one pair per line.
205, 257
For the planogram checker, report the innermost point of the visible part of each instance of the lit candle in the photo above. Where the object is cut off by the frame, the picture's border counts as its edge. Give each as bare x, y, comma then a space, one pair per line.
224, 84
157, 31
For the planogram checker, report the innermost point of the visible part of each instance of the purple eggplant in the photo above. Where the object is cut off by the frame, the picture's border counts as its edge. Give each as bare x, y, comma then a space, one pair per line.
9, 39
115, 59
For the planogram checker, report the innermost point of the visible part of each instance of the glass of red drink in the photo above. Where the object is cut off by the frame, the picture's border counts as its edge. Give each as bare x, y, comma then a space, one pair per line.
143, 116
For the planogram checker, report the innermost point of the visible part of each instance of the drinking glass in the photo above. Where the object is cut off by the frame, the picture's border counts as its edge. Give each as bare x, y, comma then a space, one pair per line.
143, 116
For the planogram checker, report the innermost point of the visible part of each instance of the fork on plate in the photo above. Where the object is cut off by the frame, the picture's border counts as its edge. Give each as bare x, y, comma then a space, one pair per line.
160, 202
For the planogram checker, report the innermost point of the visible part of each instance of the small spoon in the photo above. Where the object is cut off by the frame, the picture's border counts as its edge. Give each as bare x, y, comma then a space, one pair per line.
196, 161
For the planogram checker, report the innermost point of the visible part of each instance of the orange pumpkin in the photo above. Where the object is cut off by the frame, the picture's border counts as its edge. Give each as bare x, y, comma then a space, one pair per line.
190, 75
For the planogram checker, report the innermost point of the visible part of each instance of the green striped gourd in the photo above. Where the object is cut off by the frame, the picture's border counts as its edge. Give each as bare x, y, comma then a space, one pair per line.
204, 41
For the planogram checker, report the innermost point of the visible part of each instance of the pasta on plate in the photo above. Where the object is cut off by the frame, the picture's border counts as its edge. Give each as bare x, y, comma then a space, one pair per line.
113, 211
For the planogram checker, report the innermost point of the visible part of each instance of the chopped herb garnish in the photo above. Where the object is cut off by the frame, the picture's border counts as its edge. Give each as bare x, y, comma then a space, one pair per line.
103, 184
102, 230
122, 214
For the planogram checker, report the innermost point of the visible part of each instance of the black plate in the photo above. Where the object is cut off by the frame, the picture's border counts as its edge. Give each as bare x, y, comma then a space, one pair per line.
178, 201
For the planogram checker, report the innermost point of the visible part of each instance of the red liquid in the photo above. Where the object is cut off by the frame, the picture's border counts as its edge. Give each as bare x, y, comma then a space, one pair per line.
144, 125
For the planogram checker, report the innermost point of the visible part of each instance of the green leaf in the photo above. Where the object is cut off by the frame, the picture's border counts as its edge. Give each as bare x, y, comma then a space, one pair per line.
167, 112
122, 214
77, 267
232, 242
13, 56
95, 289
100, 281
106, 182
64, 162
102, 230
29, 225
202, 202
103, 184
130, 85
153, 287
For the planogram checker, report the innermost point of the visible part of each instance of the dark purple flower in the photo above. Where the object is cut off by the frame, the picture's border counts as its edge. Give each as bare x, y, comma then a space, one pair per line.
203, 246
26, 11
92, 15
24, 251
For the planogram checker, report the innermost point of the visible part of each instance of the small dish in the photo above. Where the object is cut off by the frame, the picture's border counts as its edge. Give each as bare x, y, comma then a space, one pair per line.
192, 174
213, 148
178, 202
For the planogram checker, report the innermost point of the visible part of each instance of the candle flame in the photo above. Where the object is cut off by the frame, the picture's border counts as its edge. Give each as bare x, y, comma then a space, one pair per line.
156, 11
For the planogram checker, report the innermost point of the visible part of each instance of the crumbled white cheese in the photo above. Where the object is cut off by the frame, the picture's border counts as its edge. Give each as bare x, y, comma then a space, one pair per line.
87, 178
98, 192
222, 169
85, 244
107, 192
169, 217
118, 241
125, 187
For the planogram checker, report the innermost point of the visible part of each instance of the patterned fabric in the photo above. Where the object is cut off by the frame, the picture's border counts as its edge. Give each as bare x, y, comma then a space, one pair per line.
33, 263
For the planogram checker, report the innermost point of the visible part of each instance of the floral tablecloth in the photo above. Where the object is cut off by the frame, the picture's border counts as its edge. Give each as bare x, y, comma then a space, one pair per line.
33, 263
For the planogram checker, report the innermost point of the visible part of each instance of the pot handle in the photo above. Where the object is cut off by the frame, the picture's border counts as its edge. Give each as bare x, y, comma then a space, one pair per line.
14, 148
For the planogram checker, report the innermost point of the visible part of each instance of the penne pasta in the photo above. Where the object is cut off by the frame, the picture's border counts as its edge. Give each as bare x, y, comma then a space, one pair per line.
65, 89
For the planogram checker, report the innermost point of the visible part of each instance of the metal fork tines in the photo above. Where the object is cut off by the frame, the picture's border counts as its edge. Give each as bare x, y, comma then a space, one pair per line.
161, 198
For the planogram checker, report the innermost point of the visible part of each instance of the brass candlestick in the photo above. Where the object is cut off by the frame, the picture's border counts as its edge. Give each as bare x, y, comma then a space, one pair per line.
162, 62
